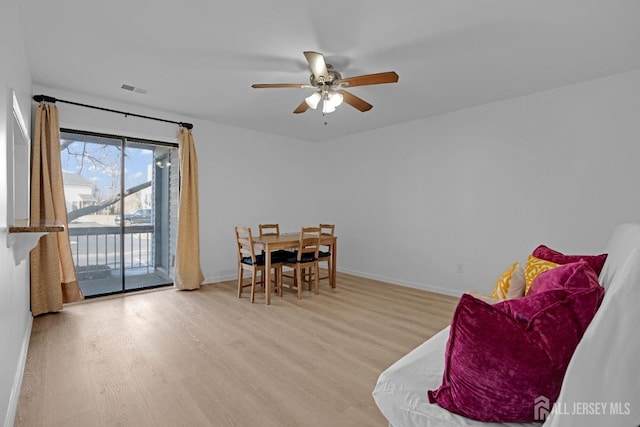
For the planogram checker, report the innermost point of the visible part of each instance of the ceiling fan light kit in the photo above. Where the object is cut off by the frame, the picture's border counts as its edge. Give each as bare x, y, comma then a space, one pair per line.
328, 107
335, 98
330, 100
330, 85
313, 100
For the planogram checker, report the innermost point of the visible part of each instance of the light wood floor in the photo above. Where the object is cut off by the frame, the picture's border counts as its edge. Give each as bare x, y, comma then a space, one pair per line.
207, 358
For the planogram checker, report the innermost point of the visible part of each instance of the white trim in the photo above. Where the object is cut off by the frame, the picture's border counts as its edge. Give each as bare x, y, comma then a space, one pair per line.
18, 114
220, 277
12, 409
400, 282
227, 275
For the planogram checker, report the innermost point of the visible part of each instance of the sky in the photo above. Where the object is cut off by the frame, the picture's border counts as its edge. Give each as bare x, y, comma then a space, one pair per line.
100, 164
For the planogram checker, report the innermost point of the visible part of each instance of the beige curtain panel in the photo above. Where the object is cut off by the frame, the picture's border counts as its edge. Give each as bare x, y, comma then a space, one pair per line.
53, 275
188, 274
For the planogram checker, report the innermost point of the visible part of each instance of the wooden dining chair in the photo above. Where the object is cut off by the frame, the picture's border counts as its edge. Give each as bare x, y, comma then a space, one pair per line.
324, 254
269, 230
273, 230
306, 257
248, 260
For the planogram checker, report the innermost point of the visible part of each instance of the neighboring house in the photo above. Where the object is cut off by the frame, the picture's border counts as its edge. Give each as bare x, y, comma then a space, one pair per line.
78, 191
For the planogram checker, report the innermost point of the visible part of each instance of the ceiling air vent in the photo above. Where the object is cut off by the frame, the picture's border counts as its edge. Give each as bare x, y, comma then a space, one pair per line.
134, 89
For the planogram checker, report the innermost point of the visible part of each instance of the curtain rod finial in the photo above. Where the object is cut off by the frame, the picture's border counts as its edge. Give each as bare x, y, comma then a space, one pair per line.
44, 98
186, 125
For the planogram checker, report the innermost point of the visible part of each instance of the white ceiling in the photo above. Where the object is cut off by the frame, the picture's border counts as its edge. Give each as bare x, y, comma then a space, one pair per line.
198, 58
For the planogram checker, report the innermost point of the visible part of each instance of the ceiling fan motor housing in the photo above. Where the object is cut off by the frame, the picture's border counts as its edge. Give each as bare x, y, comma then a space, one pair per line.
320, 82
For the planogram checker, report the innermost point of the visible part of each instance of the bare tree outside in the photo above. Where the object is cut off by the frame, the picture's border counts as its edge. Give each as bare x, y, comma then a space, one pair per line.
101, 159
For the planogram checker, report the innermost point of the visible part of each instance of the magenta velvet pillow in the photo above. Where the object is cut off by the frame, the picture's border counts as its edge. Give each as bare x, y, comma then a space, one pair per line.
501, 357
595, 261
574, 275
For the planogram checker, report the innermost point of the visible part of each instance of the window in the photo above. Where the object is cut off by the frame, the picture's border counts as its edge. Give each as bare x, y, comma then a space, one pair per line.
122, 200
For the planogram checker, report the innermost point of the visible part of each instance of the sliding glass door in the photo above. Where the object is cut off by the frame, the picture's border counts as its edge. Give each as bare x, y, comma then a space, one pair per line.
121, 197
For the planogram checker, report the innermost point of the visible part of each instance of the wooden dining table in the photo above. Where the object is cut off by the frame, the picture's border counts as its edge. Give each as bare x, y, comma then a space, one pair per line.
290, 241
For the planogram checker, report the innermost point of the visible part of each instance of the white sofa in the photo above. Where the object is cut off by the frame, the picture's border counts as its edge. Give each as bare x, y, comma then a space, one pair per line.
602, 383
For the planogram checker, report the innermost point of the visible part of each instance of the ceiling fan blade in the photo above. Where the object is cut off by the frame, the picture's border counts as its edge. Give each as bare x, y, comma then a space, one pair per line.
355, 102
301, 108
272, 85
317, 64
370, 79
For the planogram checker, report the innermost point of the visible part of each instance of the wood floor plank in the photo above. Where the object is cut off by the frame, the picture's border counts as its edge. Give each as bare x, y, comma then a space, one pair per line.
208, 358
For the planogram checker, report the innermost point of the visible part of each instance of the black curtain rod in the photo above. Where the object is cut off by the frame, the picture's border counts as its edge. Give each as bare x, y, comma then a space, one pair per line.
45, 98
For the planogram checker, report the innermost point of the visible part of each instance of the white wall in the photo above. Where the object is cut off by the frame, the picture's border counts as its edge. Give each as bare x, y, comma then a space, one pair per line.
484, 186
245, 177
479, 187
15, 315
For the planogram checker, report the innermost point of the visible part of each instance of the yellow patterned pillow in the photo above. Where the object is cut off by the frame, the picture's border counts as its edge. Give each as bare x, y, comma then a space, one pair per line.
534, 267
511, 284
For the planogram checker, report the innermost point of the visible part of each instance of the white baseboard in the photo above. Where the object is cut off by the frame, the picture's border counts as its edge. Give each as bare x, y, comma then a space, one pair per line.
17, 381
226, 275
395, 281
221, 277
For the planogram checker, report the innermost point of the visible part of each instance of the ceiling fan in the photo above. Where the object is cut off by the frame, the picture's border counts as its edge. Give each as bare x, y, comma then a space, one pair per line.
330, 85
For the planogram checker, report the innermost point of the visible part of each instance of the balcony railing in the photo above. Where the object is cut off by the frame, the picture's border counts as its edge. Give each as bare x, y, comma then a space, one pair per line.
97, 251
